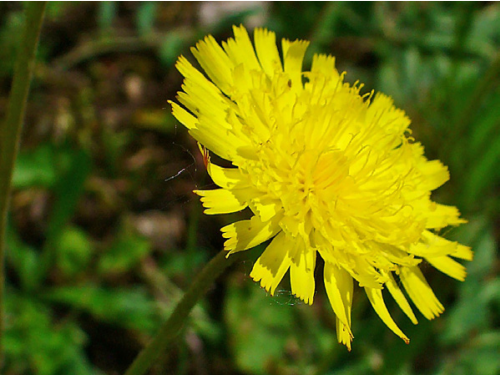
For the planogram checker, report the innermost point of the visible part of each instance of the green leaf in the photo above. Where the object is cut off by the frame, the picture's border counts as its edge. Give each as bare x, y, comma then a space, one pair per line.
131, 308
106, 14
483, 173
74, 251
114, 144
68, 190
487, 122
258, 327
479, 357
485, 32
146, 16
470, 312
35, 168
23, 258
127, 250
75, 166
171, 48
360, 367
35, 344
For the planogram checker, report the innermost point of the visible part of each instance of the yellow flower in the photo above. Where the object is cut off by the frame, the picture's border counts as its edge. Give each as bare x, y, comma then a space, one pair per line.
323, 170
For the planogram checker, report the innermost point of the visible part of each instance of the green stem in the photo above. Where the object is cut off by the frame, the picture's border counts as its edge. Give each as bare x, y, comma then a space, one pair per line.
10, 129
175, 323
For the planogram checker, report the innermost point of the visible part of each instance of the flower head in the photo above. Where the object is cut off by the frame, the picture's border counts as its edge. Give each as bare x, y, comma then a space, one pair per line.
323, 170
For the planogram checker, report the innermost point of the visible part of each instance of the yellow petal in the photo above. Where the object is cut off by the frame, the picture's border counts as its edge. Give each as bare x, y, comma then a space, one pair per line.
246, 234
200, 101
365, 273
293, 55
339, 288
200, 95
221, 201
435, 174
400, 257
272, 265
227, 178
265, 46
420, 292
214, 62
265, 207
463, 252
302, 274
448, 266
194, 75
344, 334
399, 297
240, 49
432, 245
211, 134
324, 65
183, 116
377, 301
440, 216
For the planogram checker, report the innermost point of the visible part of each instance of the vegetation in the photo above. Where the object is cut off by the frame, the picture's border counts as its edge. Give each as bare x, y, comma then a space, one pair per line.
104, 233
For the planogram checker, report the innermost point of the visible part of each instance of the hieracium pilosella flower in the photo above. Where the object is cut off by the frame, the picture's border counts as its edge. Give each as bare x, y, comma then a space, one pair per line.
323, 170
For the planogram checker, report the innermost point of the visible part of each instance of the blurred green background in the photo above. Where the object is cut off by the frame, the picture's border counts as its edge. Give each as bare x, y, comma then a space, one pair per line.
105, 233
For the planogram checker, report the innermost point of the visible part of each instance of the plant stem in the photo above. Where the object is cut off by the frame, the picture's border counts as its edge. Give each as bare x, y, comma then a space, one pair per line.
10, 129
174, 324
